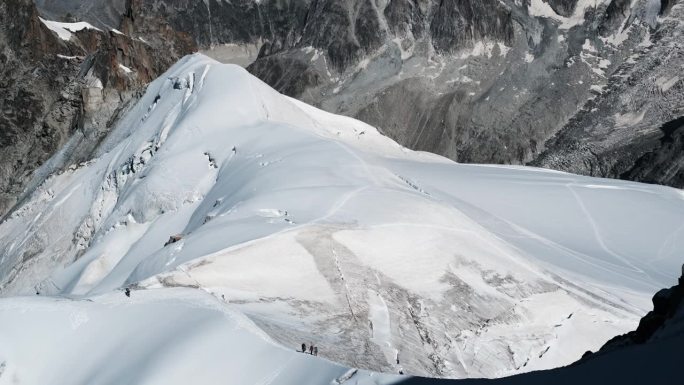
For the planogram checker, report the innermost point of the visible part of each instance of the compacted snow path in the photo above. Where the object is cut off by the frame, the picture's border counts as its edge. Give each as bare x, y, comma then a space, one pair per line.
314, 226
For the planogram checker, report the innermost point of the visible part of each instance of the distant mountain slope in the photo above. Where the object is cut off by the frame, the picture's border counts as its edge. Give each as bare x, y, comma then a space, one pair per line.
634, 128
321, 229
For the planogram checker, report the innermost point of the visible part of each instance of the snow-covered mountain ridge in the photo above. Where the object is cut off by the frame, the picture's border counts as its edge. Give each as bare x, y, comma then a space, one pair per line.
320, 229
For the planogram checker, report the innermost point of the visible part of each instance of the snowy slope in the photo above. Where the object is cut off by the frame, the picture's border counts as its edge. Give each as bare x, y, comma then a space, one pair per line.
320, 229
175, 336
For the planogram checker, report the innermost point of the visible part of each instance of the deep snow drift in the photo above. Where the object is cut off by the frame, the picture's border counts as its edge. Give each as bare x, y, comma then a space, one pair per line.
321, 230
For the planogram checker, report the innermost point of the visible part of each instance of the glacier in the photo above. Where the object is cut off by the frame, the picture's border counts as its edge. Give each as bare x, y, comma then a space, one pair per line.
312, 227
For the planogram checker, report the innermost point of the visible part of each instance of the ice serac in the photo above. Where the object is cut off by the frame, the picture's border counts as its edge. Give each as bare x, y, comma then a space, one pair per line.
322, 230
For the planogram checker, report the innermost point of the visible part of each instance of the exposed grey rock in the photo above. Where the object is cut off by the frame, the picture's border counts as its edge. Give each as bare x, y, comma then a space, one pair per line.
459, 24
406, 17
631, 129
37, 106
101, 13
291, 76
616, 14
665, 163
562, 7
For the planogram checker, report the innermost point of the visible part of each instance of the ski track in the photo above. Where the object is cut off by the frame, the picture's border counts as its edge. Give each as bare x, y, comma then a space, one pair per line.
597, 233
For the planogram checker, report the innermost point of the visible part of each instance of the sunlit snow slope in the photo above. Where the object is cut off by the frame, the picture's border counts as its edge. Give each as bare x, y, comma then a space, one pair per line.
321, 230
174, 336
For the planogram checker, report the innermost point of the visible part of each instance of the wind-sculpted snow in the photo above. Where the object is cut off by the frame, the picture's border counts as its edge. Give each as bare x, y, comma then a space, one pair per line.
321, 230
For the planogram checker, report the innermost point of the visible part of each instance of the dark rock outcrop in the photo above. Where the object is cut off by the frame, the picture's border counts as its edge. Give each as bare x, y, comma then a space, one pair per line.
458, 24
562, 7
35, 115
346, 30
290, 76
664, 164
615, 15
56, 91
407, 16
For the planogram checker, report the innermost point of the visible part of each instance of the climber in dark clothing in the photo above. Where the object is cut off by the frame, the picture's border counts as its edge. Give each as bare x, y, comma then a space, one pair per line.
127, 291
311, 348
303, 348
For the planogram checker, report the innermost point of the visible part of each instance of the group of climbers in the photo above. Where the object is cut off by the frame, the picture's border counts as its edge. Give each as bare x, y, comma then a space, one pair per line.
313, 350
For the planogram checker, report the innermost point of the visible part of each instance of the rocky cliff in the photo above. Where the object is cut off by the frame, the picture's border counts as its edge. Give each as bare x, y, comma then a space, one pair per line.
60, 92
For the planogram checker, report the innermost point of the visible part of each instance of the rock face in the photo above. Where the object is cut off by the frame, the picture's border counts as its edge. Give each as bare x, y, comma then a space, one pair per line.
61, 94
101, 13
663, 163
457, 25
562, 7
36, 108
632, 129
